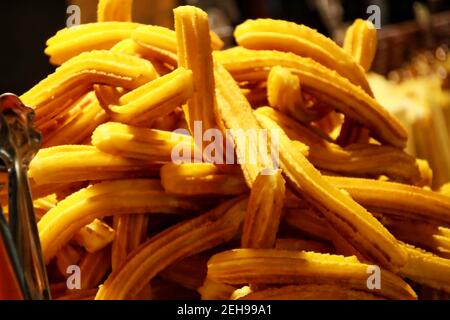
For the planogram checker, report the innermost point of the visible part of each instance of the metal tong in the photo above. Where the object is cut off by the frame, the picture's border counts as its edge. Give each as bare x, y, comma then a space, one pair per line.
19, 237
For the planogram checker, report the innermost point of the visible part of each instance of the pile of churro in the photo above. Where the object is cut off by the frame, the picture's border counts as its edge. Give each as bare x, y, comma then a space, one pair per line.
145, 185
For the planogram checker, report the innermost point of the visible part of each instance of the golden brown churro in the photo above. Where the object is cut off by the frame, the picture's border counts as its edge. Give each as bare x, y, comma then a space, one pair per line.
328, 86
268, 34
182, 240
194, 53
61, 223
346, 216
269, 266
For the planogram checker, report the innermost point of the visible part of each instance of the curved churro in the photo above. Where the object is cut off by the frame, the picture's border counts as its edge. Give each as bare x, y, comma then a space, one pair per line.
327, 85
213, 290
155, 99
61, 223
179, 241
159, 42
270, 266
426, 268
62, 164
361, 43
397, 199
346, 216
70, 42
139, 143
269, 34
429, 236
86, 69
74, 125
356, 159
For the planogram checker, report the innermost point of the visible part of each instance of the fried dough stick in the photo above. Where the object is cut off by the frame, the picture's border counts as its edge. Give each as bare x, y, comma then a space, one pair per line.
361, 43
75, 78
62, 164
275, 267
75, 124
132, 196
180, 241
139, 143
421, 266
397, 199
269, 34
354, 160
349, 219
426, 235
154, 99
195, 53
325, 84
70, 42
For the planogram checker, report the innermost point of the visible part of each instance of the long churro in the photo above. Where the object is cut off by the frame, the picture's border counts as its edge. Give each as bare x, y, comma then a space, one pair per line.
194, 53
86, 69
235, 113
182, 240
269, 34
61, 223
62, 164
269, 266
397, 199
70, 42
346, 216
327, 85
357, 159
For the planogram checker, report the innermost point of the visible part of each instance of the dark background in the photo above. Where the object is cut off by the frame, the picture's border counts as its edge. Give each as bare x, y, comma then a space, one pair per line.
25, 25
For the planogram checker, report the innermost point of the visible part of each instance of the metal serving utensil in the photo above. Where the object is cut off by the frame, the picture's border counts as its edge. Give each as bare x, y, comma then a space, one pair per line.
19, 143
